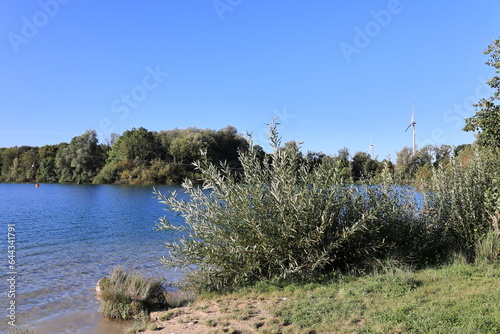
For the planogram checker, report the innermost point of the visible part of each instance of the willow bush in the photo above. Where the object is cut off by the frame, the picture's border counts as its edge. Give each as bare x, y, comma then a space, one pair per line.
277, 218
463, 200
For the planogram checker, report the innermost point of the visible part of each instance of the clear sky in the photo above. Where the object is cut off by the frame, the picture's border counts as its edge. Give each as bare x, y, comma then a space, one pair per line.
333, 72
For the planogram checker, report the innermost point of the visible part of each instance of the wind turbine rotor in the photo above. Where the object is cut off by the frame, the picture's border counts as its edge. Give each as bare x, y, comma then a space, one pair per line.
370, 150
412, 125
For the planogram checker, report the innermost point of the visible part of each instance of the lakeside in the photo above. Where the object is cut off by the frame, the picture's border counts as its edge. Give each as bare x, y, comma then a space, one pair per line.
456, 298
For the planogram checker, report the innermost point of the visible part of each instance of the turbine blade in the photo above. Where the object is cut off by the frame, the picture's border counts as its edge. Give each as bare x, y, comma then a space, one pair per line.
408, 127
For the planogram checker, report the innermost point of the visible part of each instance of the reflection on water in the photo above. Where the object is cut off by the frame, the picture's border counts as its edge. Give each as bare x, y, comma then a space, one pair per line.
67, 238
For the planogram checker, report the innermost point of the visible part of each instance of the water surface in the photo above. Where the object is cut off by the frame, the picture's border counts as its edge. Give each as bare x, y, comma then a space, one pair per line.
67, 238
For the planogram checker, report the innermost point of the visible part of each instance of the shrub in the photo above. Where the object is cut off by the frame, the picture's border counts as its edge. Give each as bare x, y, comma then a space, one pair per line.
463, 198
125, 295
112, 172
276, 218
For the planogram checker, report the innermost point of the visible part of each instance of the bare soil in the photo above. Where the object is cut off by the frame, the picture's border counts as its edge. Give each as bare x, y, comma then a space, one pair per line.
225, 315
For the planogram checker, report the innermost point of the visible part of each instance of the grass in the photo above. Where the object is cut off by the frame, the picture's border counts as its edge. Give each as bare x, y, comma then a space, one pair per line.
457, 298
171, 314
126, 295
139, 325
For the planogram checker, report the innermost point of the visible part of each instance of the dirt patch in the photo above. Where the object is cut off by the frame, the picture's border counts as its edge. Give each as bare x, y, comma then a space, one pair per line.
241, 315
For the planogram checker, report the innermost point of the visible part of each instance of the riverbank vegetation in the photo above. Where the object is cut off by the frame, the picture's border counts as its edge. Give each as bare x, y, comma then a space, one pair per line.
348, 245
454, 298
138, 156
125, 295
278, 218
281, 220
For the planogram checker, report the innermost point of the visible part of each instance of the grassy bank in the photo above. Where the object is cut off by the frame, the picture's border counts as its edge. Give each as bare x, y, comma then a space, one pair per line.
458, 298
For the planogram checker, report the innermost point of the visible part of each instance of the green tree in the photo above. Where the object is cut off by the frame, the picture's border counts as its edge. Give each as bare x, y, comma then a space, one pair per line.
47, 154
408, 163
19, 164
136, 144
29, 163
164, 141
486, 121
81, 160
345, 166
226, 145
188, 145
8, 157
363, 166
63, 163
441, 154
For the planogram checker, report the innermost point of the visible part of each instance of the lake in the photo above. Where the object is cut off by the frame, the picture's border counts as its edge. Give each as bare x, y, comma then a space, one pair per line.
67, 237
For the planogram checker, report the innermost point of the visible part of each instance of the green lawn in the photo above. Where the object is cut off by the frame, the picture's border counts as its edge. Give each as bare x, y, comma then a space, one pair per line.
459, 298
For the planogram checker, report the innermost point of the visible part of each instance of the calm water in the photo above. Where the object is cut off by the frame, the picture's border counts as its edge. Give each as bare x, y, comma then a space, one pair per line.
67, 238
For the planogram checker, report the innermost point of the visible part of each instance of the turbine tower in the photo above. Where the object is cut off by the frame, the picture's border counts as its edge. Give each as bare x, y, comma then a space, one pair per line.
371, 149
412, 124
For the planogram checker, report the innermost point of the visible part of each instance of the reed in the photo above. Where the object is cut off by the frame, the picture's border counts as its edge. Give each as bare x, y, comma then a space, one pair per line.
126, 295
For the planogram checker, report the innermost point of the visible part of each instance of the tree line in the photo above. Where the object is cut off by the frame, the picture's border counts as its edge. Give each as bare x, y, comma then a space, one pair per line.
140, 156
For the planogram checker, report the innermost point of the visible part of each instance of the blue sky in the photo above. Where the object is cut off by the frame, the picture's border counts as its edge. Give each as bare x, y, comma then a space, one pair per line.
333, 72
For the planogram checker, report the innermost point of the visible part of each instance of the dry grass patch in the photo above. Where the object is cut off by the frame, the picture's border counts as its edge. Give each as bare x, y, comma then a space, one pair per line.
219, 314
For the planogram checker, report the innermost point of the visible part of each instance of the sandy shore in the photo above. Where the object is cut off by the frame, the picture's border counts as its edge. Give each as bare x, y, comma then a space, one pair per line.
238, 315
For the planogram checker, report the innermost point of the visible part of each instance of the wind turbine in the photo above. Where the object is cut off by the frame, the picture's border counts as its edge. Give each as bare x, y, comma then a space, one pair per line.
371, 149
412, 124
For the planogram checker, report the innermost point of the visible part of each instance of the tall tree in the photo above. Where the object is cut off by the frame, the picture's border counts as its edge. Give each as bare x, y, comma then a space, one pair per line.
226, 145
47, 155
136, 144
29, 162
81, 160
486, 121
187, 146
363, 166
9, 158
